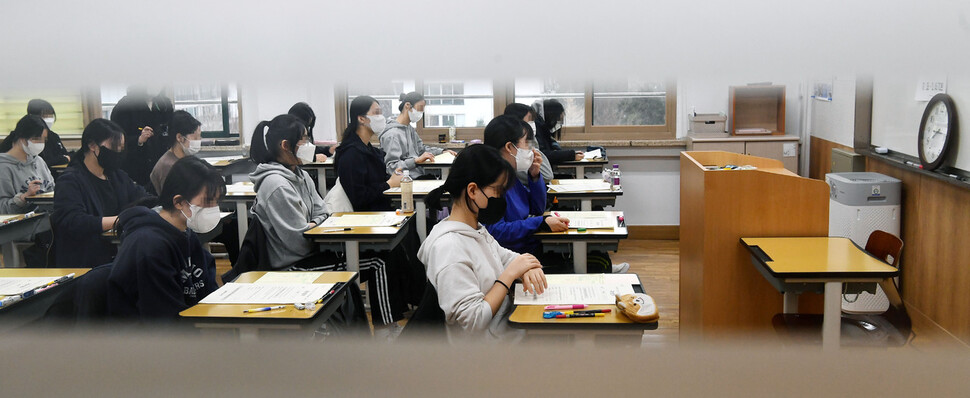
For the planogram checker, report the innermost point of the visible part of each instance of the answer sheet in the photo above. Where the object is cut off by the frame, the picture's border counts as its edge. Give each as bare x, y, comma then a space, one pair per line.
572, 294
594, 154
445, 158
289, 277
363, 220
589, 219
262, 293
15, 286
240, 188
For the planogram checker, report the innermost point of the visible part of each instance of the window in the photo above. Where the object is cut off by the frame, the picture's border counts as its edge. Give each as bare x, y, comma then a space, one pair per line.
67, 104
444, 120
572, 95
387, 95
445, 89
215, 105
629, 102
465, 103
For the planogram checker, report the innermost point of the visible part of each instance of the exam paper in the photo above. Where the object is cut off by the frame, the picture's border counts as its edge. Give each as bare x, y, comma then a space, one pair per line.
444, 157
15, 286
420, 186
240, 188
262, 293
7, 217
589, 219
363, 220
583, 185
217, 159
594, 154
288, 278
572, 294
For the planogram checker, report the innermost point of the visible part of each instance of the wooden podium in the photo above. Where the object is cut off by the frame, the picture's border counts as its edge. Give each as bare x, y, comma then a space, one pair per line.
721, 292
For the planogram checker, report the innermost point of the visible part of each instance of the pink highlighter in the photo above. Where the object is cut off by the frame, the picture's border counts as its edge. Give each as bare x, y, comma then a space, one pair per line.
566, 307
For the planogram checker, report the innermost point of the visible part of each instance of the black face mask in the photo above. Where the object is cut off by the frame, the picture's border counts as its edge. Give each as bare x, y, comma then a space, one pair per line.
494, 211
108, 159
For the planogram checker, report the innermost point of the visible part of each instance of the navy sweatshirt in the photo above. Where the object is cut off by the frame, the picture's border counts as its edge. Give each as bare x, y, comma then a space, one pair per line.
159, 270
77, 216
362, 174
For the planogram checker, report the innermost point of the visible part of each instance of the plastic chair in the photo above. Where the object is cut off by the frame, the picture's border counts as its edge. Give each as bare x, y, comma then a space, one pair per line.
428, 320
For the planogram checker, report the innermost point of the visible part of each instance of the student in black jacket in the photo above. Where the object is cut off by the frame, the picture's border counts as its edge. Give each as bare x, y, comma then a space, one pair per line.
54, 153
89, 196
360, 166
551, 115
144, 120
161, 267
303, 111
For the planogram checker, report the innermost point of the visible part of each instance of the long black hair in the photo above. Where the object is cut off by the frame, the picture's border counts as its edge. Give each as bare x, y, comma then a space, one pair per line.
303, 111
504, 129
358, 107
97, 132
40, 108
265, 146
553, 110
29, 126
189, 176
478, 163
519, 110
182, 123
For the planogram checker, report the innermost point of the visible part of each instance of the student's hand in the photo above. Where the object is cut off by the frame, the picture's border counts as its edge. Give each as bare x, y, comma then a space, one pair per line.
536, 162
68, 158
321, 158
519, 266
579, 156
425, 157
557, 224
395, 180
146, 133
33, 188
108, 223
311, 225
534, 281
453, 153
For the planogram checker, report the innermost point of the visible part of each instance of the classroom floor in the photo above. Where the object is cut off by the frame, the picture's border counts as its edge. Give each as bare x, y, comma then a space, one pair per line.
657, 262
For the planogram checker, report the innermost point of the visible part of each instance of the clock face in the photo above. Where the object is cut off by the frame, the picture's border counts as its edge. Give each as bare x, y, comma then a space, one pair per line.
935, 132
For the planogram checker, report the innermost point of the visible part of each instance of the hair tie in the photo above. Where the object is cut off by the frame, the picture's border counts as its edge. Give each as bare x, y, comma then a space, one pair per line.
265, 131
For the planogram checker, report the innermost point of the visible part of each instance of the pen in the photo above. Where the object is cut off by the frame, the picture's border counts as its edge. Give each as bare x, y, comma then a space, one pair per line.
598, 315
9, 300
62, 279
264, 309
914, 164
338, 229
556, 213
603, 311
565, 307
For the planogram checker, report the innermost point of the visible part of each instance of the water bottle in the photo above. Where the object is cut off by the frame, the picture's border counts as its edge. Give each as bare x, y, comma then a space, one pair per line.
615, 183
452, 134
407, 192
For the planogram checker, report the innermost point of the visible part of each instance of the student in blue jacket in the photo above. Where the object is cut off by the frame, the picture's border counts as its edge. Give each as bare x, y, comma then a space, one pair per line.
161, 268
90, 194
525, 203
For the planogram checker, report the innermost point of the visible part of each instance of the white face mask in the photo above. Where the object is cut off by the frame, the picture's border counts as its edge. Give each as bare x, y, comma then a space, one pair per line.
49, 121
203, 220
305, 152
533, 125
415, 115
33, 148
194, 147
377, 123
556, 127
523, 159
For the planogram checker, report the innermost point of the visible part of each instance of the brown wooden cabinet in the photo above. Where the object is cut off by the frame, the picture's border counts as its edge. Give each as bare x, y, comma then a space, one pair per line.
757, 107
784, 148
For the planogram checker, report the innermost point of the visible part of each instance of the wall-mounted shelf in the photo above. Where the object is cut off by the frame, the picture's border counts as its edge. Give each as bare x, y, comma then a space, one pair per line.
899, 160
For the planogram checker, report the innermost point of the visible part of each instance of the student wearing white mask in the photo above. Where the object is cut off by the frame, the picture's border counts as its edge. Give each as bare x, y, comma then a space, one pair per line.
528, 115
162, 268
549, 122
54, 153
360, 166
23, 172
403, 148
184, 138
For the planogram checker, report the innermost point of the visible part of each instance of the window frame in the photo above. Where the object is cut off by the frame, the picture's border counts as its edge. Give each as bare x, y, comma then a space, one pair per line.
226, 132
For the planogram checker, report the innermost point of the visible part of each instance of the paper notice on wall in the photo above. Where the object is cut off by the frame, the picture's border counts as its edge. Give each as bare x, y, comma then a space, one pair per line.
926, 88
790, 150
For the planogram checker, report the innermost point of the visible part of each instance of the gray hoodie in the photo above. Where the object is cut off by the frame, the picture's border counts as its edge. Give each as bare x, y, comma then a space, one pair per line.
285, 204
15, 177
402, 145
463, 264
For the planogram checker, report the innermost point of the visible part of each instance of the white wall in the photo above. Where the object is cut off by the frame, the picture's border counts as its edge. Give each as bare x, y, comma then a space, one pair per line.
834, 120
264, 101
651, 185
709, 94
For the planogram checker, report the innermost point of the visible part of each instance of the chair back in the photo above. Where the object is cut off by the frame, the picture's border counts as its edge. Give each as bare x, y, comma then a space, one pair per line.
885, 246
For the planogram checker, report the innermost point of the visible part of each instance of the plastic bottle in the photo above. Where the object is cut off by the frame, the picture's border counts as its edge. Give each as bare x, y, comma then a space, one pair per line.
452, 134
407, 192
616, 177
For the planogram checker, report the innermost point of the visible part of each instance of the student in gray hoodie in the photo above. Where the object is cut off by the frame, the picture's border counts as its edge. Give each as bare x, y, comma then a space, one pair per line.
22, 171
471, 272
402, 146
287, 205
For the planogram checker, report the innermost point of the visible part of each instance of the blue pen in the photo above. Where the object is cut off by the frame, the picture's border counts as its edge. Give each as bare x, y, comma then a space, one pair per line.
264, 309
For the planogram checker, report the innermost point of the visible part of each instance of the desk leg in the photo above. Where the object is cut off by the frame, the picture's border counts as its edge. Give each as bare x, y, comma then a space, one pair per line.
353, 255
421, 213
322, 182
832, 317
586, 205
242, 220
791, 303
580, 171
11, 256
444, 173
579, 257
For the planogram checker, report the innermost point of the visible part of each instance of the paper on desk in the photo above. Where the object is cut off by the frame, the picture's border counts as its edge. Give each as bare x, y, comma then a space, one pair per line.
420, 186
15, 286
217, 159
589, 219
363, 220
575, 279
594, 154
580, 185
262, 293
240, 187
9, 216
444, 157
288, 278
572, 294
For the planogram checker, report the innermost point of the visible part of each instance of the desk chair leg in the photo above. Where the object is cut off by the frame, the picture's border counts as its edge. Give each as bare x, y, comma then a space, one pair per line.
353, 255
791, 303
242, 220
579, 257
586, 205
832, 316
421, 213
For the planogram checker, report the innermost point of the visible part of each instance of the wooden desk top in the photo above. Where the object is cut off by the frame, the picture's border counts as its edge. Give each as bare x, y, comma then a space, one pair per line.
419, 189
60, 167
317, 233
574, 234
41, 196
530, 316
40, 272
236, 310
816, 257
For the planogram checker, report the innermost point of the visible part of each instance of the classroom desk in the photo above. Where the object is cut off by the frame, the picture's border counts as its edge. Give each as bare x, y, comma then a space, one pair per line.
45, 199
584, 330
221, 162
810, 264
14, 227
56, 171
359, 238
112, 235
600, 239
231, 316
578, 167
34, 307
420, 189
442, 162
586, 199
242, 195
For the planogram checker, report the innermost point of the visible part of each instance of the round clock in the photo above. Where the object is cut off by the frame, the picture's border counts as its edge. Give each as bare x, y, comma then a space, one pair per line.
937, 131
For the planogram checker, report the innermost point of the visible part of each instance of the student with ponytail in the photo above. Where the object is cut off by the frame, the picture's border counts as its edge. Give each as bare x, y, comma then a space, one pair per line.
90, 195
400, 141
360, 166
287, 205
23, 172
472, 272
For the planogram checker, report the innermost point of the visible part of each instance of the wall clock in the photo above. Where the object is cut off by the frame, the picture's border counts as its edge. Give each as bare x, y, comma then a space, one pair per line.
937, 131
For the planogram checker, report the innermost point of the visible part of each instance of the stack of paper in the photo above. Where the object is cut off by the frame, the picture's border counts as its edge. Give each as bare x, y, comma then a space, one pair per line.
445, 157
263, 293
364, 220
594, 154
15, 286
590, 289
580, 185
